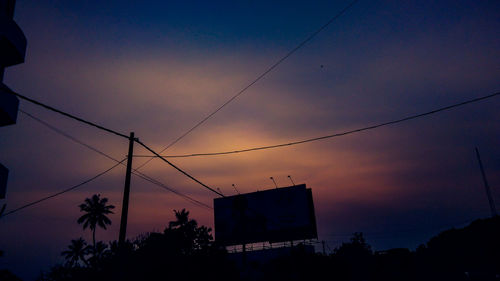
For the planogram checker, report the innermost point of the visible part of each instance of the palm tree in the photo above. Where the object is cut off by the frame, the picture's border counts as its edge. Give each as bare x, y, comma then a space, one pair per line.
76, 252
184, 231
95, 210
182, 219
101, 251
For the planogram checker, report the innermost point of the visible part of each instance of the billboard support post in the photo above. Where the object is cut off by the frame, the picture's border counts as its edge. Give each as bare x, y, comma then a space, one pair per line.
244, 255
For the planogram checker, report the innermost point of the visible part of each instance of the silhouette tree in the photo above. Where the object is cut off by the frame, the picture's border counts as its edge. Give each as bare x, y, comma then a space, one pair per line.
472, 251
184, 251
101, 252
95, 210
182, 220
355, 258
188, 236
76, 252
356, 247
6, 275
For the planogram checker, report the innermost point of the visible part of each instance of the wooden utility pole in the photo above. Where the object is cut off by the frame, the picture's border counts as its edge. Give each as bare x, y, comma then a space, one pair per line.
126, 191
486, 186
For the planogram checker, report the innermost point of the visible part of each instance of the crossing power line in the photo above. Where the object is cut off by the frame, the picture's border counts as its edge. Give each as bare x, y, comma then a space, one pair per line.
110, 131
267, 71
256, 148
66, 135
66, 114
136, 173
332, 135
62, 192
271, 68
180, 170
159, 184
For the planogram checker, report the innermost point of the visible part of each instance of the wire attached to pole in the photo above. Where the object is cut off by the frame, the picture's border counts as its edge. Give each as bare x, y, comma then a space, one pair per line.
61, 192
179, 169
332, 135
64, 113
135, 173
267, 71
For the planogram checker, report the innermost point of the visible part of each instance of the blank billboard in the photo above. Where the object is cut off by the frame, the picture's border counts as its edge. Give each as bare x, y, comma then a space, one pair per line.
274, 215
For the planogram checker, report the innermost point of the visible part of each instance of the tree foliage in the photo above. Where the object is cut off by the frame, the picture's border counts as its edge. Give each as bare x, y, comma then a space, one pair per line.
183, 251
76, 253
186, 251
96, 211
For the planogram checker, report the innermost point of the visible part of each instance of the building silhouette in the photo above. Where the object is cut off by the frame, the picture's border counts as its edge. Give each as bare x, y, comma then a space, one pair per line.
12, 52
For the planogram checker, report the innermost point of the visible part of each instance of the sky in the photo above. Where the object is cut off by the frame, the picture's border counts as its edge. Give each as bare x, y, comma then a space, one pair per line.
157, 68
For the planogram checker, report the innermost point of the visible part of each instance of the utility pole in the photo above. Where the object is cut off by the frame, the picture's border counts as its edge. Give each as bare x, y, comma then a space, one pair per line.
486, 186
126, 192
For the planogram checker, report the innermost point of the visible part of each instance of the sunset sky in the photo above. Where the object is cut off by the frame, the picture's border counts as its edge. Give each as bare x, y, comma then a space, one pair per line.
158, 67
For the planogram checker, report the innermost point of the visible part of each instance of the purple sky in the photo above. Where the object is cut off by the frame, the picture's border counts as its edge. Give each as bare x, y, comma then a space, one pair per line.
157, 69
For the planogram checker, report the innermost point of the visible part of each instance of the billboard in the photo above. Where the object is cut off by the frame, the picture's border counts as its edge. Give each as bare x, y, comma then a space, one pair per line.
274, 215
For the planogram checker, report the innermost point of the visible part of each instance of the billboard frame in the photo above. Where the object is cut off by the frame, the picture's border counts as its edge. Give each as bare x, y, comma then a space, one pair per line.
249, 218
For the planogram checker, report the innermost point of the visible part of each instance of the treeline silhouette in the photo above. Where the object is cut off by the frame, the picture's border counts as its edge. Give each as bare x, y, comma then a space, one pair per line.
470, 253
186, 251
183, 251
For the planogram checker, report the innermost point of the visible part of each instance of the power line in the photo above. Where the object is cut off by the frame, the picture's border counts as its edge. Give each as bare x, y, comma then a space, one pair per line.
66, 114
332, 135
300, 45
271, 68
114, 132
179, 169
157, 183
63, 191
136, 173
67, 135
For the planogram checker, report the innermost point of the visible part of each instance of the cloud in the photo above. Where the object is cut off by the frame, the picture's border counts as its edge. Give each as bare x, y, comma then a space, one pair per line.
417, 174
